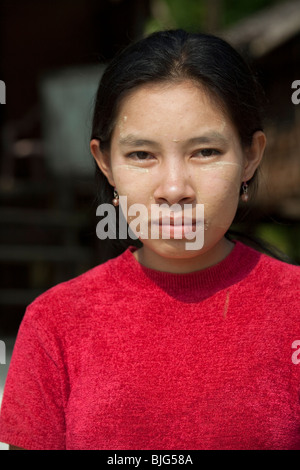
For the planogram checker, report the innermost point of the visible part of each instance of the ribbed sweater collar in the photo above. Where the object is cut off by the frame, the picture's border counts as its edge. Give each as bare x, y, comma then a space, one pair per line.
198, 284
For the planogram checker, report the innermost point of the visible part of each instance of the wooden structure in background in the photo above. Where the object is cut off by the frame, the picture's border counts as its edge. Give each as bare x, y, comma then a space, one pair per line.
270, 40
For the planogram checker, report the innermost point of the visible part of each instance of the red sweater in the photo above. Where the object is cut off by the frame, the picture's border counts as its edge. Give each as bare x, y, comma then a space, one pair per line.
125, 357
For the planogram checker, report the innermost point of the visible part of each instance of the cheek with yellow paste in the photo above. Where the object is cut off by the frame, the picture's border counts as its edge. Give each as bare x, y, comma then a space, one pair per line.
218, 187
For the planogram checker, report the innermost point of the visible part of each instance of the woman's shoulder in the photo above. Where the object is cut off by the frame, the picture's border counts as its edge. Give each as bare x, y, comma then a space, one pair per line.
78, 294
275, 273
279, 267
271, 291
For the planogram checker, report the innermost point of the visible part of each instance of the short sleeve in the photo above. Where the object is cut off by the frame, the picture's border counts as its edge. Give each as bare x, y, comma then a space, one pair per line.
32, 412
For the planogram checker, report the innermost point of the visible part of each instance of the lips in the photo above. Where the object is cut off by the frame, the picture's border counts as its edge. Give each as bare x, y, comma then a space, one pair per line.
171, 221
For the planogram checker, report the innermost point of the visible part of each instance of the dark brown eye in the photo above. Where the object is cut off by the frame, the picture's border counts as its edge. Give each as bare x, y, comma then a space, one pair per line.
207, 152
140, 155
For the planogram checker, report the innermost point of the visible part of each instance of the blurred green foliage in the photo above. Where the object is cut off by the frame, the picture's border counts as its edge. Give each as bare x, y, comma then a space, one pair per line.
192, 15
283, 236
235, 10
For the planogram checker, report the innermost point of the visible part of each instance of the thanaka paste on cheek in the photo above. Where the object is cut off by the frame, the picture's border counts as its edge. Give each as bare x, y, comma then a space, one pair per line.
217, 165
218, 173
132, 167
219, 192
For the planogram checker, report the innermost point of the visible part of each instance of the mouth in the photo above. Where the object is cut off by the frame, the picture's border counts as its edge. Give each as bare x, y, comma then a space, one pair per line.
176, 227
174, 222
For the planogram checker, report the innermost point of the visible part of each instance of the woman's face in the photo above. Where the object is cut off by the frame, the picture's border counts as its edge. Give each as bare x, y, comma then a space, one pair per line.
172, 144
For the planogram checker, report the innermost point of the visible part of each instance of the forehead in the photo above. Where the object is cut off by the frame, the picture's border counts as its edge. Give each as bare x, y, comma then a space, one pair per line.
171, 93
176, 108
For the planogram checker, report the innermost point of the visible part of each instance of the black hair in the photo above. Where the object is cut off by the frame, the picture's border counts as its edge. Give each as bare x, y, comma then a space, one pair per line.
172, 56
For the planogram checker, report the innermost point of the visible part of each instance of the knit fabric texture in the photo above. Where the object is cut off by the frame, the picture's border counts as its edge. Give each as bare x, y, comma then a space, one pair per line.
124, 357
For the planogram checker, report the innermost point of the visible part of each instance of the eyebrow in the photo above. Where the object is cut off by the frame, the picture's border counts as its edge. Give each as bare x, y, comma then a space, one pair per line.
131, 140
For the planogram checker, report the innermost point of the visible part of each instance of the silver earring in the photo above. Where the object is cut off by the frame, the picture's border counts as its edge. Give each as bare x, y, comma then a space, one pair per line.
245, 195
115, 200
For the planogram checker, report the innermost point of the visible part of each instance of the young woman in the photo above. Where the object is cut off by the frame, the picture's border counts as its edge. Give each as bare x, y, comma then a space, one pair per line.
172, 344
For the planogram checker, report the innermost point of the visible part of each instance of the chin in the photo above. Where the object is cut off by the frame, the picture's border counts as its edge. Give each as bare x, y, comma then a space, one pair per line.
176, 248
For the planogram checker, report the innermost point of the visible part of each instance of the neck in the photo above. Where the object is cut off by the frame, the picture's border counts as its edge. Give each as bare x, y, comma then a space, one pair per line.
151, 259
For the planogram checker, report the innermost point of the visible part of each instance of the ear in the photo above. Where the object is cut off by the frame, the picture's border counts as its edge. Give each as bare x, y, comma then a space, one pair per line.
254, 154
102, 159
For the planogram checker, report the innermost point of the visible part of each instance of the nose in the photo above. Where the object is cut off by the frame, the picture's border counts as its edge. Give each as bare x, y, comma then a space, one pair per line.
174, 185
